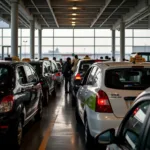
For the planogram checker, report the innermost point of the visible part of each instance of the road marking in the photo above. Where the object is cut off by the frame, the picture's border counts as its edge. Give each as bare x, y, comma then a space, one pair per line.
47, 135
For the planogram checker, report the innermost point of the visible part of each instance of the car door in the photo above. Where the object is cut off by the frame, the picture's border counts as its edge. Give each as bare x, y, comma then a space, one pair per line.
25, 91
37, 89
130, 133
32, 88
81, 94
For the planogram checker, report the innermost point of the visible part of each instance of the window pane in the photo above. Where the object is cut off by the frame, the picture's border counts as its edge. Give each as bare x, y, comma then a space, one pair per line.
36, 33
128, 50
117, 41
84, 32
6, 32
25, 41
63, 32
0, 32
0, 41
63, 50
103, 41
84, 50
47, 32
63, 41
83, 41
47, 50
128, 33
26, 32
6, 41
141, 41
142, 33
117, 33
128, 41
105, 50
103, 33
36, 41
47, 41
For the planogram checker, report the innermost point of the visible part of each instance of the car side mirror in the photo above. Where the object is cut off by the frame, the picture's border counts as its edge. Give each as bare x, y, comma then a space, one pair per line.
106, 137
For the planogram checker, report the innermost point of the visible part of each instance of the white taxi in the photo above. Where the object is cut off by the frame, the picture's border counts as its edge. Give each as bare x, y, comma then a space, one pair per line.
107, 92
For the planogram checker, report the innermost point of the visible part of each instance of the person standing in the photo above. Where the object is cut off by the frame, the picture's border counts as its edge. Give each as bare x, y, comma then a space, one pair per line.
67, 74
74, 63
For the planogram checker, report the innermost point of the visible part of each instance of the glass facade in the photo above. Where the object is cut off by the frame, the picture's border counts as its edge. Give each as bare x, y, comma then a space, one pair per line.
64, 42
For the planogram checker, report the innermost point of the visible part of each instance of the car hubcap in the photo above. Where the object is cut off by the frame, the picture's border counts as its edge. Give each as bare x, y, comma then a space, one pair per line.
19, 133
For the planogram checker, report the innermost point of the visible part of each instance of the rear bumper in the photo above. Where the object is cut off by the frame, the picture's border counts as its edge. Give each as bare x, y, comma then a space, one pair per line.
99, 122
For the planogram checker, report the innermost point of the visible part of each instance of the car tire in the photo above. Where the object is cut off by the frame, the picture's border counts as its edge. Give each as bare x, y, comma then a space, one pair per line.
89, 140
16, 135
78, 119
38, 116
46, 97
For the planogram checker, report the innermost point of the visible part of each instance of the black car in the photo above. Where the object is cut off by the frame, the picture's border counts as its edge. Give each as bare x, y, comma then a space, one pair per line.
134, 131
47, 78
20, 99
79, 73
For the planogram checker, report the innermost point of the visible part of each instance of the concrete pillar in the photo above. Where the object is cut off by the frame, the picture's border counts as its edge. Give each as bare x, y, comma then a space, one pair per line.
14, 28
32, 30
122, 41
113, 43
40, 43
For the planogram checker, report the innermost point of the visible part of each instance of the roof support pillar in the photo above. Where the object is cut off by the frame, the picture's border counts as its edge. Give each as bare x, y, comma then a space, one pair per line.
40, 43
32, 30
122, 41
14, 28
113, 43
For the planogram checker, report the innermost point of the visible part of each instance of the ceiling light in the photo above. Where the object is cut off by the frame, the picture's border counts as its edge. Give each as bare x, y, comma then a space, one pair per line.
73, 18
74, 14
73, 22
74, 8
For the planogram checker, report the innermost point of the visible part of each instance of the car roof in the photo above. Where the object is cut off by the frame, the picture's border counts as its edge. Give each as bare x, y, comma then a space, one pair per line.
14, 63
109, 64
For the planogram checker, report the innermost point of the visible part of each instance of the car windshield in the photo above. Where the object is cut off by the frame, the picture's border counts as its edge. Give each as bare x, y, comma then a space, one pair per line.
37, 67
128, 78
5, 80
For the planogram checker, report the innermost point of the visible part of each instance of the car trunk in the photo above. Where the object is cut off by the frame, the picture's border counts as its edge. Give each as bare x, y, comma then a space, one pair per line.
121, 101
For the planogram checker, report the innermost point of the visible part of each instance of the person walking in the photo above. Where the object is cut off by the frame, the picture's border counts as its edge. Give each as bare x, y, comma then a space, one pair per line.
67, 74
74, 63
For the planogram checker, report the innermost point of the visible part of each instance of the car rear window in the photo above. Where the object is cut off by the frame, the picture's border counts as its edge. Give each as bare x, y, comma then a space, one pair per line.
5, 80
128, 78
37, 67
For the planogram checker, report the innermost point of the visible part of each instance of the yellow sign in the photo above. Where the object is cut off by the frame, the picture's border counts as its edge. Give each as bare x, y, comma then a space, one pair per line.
26, 60
137, 58
45, 58
15, 58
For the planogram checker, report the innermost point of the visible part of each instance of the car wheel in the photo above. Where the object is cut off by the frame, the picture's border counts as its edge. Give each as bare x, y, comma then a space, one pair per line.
78, 119
89, 141
16, 135
46, 97
38, 116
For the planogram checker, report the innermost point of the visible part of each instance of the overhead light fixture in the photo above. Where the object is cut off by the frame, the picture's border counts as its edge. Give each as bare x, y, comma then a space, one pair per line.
73, 18
73, 22
74, 8
74, 14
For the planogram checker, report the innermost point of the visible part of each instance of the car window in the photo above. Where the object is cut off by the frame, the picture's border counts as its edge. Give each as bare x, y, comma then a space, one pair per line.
45, 68
97, 79
21, 75
91, 80
35, 77
59, 66
86, 76
133, 126
30, 76
128, 78
5, 80
37, 67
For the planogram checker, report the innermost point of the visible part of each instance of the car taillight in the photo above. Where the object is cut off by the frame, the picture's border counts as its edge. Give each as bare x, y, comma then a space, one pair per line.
102, 103
58, 74
78, 77
6, 104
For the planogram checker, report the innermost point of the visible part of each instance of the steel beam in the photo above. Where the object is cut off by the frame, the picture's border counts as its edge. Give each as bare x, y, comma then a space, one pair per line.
51, 9
107, 2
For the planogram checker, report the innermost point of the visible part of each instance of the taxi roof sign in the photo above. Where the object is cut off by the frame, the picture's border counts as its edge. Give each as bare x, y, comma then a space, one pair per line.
137, 59
45, 58
26, 59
